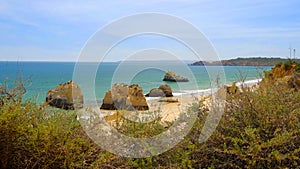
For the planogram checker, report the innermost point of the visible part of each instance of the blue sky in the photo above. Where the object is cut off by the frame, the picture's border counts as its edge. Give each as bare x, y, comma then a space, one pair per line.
57, 30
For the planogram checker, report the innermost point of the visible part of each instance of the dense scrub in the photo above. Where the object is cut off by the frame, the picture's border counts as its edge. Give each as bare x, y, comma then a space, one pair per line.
33, 136
259, 129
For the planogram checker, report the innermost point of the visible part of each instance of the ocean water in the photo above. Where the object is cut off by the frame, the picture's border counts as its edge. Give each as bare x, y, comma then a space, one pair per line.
42, 76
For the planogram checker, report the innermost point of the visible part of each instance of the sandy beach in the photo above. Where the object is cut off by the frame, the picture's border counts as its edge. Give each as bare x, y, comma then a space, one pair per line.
166, 108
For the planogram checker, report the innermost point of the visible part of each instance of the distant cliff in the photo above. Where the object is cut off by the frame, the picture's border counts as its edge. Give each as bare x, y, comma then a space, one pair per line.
257, 61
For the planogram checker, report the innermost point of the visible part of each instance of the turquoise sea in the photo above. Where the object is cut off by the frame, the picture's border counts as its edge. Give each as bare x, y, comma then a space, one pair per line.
43, 76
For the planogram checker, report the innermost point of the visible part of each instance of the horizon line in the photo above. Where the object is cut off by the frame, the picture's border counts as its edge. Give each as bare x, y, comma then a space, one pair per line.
72, 61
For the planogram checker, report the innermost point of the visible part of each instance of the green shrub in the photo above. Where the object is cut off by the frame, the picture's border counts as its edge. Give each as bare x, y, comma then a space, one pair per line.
259, 129
297, 67
35, 136
278, 64
287, 65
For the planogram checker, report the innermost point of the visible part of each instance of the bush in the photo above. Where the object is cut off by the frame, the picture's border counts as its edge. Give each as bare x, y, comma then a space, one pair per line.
297, 67
259, 129
278, 64
35, 136
287, 65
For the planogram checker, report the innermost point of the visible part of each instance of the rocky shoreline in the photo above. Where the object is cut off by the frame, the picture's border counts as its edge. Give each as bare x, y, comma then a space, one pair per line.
131, 99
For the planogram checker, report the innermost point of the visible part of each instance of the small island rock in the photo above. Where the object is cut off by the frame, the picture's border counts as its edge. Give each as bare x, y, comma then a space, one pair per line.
173, 77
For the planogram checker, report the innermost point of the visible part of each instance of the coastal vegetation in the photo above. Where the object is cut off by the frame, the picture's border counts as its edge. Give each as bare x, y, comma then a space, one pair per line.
259, 129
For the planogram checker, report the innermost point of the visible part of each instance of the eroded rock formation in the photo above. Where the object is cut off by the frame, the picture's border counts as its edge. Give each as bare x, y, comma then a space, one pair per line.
173, 77
124, 97
163, 91
66, 96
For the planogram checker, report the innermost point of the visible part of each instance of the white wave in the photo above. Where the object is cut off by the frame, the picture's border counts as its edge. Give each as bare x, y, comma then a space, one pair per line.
209, 91
152, 98
249, 83
193, 93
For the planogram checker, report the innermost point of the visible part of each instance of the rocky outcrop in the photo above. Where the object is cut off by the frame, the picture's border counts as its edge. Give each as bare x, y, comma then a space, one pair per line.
286, 75
166, 89
173, 77
155, 92
276, 76
199, 63
124, 97
67, 96
108, 102
163, 91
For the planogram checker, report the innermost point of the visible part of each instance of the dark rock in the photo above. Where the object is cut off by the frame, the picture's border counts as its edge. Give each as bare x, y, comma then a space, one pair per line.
169, 100
163, 91
166, 89
173, 77
155, 92
124, 97
198, 63
108, 102
66, 96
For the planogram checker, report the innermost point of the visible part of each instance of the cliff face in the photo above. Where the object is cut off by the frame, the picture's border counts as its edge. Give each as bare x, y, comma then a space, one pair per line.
284, 74
244, 62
